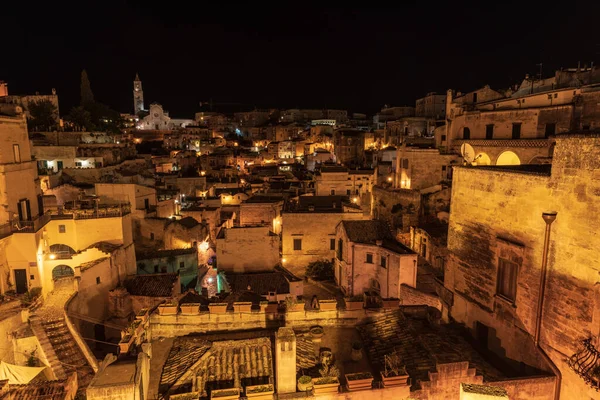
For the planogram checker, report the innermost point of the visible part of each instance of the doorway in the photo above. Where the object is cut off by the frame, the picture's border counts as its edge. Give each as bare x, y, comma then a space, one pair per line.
482, 333
59, 165
21, 281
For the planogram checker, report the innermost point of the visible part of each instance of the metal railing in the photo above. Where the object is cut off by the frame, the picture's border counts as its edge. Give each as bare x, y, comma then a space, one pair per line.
30, 226
586, 364
92, 213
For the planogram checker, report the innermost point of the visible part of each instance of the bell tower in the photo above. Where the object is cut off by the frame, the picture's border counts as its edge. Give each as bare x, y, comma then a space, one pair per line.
138, 95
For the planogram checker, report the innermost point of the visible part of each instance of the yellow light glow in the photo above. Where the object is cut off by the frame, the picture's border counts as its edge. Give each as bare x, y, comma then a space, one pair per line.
283, 260
203, 247
355, 200
389, 179
202, 173
52, 256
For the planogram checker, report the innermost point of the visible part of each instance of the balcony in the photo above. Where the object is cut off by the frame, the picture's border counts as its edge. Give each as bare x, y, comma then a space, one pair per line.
102, 211
586, 364
29, 226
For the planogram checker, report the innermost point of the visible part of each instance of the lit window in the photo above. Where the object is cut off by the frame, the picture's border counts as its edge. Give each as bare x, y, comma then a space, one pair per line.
62, 229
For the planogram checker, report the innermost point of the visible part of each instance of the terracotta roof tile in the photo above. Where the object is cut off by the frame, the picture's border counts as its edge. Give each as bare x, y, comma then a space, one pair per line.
369, 232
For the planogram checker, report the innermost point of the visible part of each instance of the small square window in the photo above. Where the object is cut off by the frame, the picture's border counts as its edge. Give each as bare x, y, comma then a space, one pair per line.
151, 236
383, 261
181, 265
443, 167
297, 244
156, 269
348, 192
32, 277
97, 280
331, 244
369, 258
62, 229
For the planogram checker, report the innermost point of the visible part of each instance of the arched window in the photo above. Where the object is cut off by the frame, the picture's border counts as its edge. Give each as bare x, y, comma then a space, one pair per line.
62, 271
61, 251
466, 133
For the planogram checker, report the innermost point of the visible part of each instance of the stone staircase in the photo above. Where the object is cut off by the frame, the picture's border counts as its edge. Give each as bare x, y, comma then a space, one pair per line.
60, 348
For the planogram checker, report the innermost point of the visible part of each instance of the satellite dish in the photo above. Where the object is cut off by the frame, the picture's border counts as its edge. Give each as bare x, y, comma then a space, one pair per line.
467, 152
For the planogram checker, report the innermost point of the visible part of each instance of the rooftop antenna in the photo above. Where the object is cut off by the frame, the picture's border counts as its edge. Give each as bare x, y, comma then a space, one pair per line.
467, 152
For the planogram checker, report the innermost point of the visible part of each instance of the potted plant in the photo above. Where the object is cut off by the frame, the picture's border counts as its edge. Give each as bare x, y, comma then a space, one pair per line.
260, 392
305, 383
357, 354
190, 308
217, 308
394, 373
242, 306
225, 394
329, 381
391, 302
168, 308
359, 381
317, 332
328, 305
354, 303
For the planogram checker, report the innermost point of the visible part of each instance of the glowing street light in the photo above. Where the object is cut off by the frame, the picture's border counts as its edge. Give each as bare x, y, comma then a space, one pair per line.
52, 256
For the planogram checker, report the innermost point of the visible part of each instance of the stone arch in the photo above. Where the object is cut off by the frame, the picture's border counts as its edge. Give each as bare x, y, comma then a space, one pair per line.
482, 159
61, 250
62, 271
508, 158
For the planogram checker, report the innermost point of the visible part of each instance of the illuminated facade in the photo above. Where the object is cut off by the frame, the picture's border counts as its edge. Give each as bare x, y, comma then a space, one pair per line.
138, 96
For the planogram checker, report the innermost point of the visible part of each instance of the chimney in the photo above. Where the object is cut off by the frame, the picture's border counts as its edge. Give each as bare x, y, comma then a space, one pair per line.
379, 243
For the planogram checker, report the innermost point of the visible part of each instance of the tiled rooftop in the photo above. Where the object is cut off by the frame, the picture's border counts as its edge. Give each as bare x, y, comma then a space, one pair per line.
46, 390
196, 364
152, 285
369, 232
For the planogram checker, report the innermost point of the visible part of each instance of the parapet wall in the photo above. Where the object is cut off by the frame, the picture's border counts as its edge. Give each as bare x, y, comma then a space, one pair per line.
205, 322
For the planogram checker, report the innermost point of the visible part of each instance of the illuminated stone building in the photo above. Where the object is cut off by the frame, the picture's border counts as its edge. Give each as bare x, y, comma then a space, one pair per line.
512, 298
138, 96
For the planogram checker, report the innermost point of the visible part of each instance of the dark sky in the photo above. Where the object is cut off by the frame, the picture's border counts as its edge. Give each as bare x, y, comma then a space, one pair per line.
292, 55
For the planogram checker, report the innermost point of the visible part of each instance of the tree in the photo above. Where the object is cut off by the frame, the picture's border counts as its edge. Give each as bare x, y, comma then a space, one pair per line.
81, 118
87, 97
43, 115
321, 270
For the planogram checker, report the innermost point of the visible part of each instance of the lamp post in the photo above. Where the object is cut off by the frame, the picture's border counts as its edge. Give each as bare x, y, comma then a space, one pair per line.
549, 218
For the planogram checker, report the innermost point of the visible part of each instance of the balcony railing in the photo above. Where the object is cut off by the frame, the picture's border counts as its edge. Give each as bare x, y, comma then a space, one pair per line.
586, 364
92, 213
30, 226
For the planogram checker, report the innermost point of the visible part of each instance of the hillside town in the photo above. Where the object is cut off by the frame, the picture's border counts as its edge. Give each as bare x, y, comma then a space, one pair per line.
444, 249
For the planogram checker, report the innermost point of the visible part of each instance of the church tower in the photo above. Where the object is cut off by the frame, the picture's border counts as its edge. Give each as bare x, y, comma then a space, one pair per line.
138, 95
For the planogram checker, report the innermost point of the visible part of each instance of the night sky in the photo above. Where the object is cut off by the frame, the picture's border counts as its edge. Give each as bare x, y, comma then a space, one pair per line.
293, 55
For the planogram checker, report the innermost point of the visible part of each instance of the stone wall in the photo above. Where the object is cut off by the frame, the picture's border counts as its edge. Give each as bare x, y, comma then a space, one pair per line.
497, 214
315, 230
249, 249
9, 325
398, 207
260, 213
409, 296
425, 168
